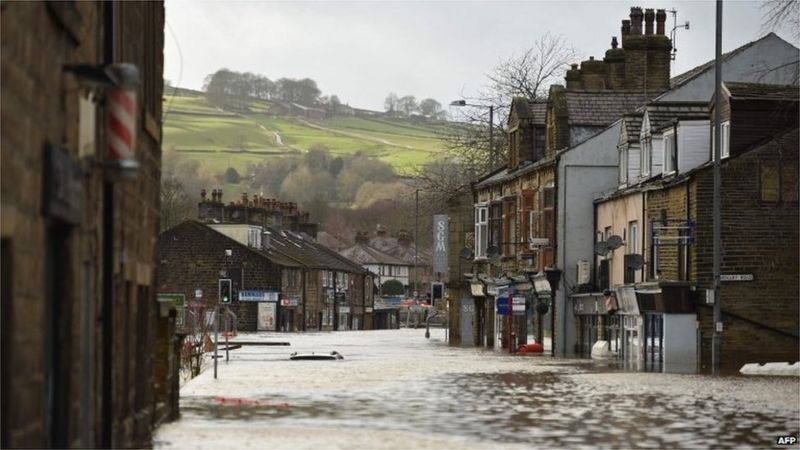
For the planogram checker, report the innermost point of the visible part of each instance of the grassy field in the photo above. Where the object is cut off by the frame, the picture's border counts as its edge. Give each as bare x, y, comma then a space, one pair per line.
223, 139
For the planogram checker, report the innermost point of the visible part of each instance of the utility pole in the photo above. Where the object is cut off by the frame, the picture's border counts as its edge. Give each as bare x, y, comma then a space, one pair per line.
416, 244
493, 157
717, 336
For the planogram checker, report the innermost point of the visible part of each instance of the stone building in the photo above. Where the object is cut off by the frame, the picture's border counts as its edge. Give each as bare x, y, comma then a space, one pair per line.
313, 287
515, 207
82, 365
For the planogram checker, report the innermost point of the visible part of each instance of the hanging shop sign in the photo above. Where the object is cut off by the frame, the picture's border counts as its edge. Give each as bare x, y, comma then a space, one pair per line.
290, 301
518, 305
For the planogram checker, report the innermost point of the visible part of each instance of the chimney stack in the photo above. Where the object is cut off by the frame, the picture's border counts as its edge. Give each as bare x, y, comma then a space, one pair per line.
649, 16
202, 195
661, 17
244, 198
404, 239
573, 78
380, 231
362, 237
636, 21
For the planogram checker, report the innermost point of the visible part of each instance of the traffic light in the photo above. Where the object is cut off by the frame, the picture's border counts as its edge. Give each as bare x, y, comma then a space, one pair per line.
225, 291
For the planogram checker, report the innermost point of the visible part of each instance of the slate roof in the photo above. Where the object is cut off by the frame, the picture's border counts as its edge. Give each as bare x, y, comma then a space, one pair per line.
308, 253
534, 110
365, 254
687, 76
601, 108
663, 114
332, 242
273, 256
633, 125
759, 91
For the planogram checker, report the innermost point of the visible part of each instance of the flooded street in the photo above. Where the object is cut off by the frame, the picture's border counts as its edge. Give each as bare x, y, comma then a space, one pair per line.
396, 389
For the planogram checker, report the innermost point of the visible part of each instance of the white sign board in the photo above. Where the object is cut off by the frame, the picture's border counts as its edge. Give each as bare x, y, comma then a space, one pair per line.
266, 316
737, 277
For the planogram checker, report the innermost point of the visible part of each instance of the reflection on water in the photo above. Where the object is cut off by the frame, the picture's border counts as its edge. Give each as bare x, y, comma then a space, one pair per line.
429, 389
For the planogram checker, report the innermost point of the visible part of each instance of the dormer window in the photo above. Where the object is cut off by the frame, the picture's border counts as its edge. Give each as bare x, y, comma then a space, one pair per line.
670, 152
623, 165
647, 155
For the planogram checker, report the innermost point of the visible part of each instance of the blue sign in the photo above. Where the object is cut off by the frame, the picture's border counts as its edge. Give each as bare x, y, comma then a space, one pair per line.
502, 306
258, 296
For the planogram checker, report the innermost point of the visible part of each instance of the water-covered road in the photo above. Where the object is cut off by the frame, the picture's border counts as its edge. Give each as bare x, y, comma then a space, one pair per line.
395, 389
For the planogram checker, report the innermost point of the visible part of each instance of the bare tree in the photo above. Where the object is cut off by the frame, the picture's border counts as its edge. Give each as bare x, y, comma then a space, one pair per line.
176, 204
780, 14
467, 140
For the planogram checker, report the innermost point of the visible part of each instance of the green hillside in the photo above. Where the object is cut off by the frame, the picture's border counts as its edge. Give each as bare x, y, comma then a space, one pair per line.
222, 139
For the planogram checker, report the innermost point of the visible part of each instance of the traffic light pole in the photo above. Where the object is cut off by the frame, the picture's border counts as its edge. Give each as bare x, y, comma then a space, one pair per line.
216, 338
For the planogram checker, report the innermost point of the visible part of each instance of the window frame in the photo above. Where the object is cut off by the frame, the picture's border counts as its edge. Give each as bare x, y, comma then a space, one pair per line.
670, 161
481, 230
623, 164
647, 156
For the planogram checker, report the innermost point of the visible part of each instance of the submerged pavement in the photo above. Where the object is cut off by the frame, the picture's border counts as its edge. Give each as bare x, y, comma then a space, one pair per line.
396, 389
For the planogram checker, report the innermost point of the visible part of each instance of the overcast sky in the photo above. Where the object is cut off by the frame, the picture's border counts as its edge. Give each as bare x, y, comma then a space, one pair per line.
361, 51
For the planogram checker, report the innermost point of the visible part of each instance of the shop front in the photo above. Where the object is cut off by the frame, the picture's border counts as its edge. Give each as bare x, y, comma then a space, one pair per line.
288, 316
267, 307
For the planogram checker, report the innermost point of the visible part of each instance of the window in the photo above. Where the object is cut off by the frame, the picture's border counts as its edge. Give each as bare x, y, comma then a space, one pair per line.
253, 238
538, 143
548, 224
526, 218
481, 231
623, 165
510, 227
725, 136
633, 237
495, 225
647, 152
670, 153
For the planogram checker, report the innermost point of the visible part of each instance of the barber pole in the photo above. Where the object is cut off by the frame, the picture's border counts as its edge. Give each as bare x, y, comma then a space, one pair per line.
121, 124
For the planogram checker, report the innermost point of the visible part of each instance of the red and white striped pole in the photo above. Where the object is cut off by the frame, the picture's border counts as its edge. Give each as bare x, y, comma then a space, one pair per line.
121, 118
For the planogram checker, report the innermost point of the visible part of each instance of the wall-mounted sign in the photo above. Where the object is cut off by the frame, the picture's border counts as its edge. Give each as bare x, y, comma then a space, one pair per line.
198, 293
518, 305
440, 242
259, 296
266, 316
178, 301
62, 188
538, 242
737, 277
290, 301
344, 310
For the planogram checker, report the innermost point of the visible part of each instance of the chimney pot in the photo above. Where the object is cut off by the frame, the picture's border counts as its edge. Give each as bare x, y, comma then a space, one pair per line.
614, 43
202, 195
574, 66
661, 17
219, 195
636, 21
649, 16
626, 28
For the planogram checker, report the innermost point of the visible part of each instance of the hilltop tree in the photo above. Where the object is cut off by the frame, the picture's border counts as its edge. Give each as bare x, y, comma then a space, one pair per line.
430, 108
407, 105
390, 103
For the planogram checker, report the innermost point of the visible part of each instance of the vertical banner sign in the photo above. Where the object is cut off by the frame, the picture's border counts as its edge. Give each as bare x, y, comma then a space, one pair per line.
440, 244
121, 124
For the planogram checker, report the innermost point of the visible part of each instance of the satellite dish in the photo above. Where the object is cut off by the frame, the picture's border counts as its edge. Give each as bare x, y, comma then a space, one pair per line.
614, 242
601, 248
493, 251
466, 253
634, 261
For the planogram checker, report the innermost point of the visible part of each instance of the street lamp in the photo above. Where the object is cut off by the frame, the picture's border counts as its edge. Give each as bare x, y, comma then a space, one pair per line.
492, 158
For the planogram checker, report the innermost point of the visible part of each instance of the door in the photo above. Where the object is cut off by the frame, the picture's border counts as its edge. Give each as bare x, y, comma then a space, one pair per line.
266, 317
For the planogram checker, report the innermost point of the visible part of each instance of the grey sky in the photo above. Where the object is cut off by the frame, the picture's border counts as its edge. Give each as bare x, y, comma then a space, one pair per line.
361, 51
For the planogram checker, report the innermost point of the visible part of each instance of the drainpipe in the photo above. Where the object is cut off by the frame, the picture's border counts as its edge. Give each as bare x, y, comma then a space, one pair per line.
107, 376
305, 297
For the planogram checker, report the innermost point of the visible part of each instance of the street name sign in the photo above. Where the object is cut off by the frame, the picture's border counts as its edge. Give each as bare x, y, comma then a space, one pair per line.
737, 277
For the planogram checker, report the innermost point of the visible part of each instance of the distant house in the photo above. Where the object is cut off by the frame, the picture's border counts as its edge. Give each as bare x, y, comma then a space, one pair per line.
384, 266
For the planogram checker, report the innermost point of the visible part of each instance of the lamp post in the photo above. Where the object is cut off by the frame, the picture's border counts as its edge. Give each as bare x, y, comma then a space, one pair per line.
492, 158
554, 277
